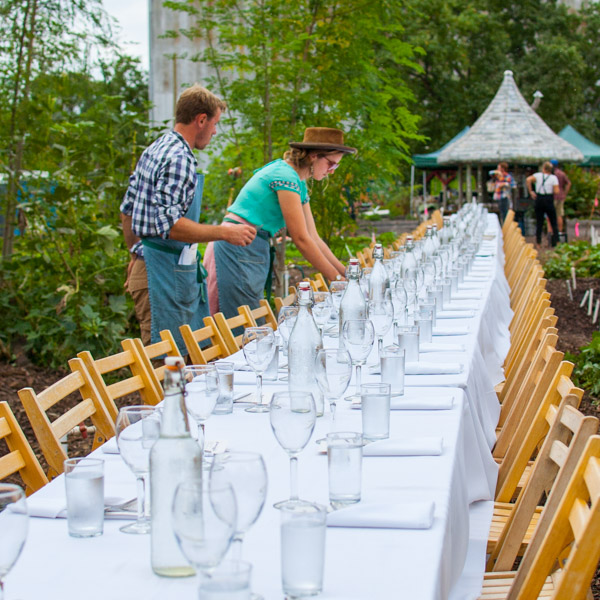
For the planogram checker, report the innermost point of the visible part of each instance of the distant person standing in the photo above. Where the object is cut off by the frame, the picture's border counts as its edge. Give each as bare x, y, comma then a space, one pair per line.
564, 186
546, 189
504, 183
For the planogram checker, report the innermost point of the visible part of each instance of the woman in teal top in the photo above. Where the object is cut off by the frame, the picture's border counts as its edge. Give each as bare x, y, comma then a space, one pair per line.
275, 197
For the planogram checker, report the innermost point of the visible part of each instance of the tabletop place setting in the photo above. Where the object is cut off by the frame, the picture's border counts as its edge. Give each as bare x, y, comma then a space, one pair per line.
366, 394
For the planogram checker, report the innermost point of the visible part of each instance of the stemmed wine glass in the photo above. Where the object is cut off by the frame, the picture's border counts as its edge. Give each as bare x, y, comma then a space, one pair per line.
201, 395
358, 335
285, 323
258, 344
364, 281
246, 473
138, 428
381, 314
337, 289
400, 303
293, 416
333, 369
14, 521
321, 309
204, 517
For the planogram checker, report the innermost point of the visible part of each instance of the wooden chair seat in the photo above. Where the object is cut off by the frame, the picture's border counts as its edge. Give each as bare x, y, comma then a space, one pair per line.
500, 516
20, 457
497, 586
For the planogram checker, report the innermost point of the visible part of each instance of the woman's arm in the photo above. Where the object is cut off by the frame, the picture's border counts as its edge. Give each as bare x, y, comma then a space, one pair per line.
312, 230
529, 181
295, 221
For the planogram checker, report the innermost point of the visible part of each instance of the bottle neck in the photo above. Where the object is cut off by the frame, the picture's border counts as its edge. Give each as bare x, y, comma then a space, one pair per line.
174, 422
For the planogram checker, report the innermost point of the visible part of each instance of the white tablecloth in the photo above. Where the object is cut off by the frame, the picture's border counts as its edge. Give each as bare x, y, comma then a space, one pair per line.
360, 563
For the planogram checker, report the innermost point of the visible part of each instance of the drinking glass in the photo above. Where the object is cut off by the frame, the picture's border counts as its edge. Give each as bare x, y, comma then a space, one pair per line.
258, 344
285, 324
364, 281
246, 473
375, 409
229, 581
138, 428
344, 467
400, 303
381, 314
333, 369
13, 528
293, 416
408, 340
225, 401
393, 367
201, 395
321, 309
303, 527
204, 518
358, 336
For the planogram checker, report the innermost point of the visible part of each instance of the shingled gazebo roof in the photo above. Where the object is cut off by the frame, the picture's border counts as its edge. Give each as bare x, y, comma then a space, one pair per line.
509, 130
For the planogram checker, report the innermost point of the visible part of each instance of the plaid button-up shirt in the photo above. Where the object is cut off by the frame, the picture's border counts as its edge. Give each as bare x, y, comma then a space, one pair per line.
161, 188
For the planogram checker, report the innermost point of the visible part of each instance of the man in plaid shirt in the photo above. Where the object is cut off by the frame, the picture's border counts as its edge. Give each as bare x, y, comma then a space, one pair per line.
504, 183
162, 189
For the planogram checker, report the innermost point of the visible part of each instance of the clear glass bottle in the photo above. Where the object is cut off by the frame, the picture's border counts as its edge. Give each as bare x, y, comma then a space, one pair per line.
409, 262
428, 244
175, 457
353, 304
379, 281
304, 343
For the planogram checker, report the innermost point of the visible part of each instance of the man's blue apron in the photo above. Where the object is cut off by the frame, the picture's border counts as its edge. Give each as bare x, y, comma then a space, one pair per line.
177, 292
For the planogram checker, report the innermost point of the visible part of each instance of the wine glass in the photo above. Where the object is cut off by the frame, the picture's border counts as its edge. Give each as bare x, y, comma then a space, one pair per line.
285, 323
333, 369
337, 290
258, 344
13, 528
201, 395
138, 428
381, 314
204, 516
358, 335
364, 281
400, 302
246, 473
293, 416
321, 309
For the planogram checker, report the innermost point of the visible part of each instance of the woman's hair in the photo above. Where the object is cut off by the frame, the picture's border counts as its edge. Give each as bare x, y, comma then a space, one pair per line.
300, 157
547, 166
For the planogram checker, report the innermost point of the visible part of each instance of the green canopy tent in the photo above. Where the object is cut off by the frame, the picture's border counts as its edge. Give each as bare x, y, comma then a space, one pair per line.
590, 151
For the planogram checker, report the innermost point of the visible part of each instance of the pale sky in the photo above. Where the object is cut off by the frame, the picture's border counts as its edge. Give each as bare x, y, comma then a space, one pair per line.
132, 16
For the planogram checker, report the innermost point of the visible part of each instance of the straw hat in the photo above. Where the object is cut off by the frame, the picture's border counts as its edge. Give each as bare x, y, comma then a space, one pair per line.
323, 138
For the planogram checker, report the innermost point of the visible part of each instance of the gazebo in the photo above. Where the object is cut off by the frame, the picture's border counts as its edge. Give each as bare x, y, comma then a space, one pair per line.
509, 130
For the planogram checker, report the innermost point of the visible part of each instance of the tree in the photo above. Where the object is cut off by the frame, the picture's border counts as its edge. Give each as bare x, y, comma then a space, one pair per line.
283, 66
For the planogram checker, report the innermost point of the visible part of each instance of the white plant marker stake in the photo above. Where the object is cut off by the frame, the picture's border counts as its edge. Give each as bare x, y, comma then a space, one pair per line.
569, 289
590, 300
573, 278
596, 308
585, 297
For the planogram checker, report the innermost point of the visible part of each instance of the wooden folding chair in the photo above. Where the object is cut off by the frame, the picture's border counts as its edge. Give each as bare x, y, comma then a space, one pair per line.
513, 524
287, 301
20, 457
508, 219
563, 554
139, 376
90, 407
265, 312
532, 429
154, 352
226, 326
192, 339
318, 283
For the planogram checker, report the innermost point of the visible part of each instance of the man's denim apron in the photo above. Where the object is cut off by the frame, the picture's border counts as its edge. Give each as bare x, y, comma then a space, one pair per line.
177, 292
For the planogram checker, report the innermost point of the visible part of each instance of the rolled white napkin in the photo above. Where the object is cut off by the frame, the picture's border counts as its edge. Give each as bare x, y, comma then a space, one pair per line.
56, 508
463, 307
409, 402
467, 313
405, 515
410, 446
439, 347
432, 368
110, 447
468, 295
471, 286
450, 330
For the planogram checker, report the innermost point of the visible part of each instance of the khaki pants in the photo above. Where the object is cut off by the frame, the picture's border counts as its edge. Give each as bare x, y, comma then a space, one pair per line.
137, 286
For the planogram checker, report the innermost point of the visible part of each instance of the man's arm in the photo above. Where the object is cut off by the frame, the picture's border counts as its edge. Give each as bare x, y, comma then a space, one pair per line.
130, 237
186, 230
529, 181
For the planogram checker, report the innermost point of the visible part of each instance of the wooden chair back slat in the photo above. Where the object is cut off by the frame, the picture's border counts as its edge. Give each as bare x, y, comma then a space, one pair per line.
226, 327
91, 407
20, 457
192, 340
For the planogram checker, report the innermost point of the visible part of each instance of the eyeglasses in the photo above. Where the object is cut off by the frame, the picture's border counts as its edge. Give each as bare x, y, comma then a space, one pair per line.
331, 164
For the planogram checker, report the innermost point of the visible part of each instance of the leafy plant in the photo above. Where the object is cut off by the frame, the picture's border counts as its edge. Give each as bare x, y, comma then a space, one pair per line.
587, 366
581, 255
584, 187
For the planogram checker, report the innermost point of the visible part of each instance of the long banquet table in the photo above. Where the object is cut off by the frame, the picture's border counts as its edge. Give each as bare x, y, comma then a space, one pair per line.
443, 561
